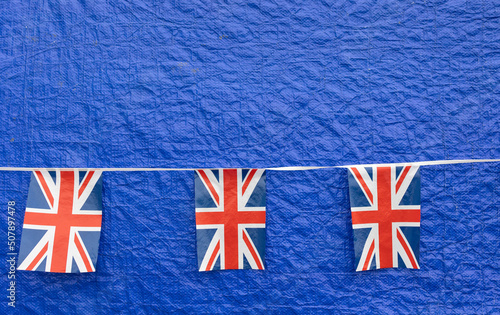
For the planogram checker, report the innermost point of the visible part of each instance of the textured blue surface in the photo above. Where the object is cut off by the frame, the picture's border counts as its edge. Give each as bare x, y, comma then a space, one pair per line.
257, 84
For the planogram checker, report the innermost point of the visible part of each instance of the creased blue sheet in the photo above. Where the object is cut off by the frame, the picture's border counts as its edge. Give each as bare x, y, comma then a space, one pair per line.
256, 84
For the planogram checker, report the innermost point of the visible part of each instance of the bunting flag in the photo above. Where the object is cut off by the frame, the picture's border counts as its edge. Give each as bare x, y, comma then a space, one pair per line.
385, 209
62, 222
230, 218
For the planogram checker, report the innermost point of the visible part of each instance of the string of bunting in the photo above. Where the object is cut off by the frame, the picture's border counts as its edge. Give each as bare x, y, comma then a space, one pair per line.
62, 221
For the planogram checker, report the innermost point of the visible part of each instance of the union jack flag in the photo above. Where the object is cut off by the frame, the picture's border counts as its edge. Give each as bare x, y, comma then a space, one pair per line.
385, 209
230, 218
62, 222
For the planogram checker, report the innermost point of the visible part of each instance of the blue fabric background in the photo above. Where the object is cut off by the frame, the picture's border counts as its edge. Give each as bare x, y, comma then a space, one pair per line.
256, 84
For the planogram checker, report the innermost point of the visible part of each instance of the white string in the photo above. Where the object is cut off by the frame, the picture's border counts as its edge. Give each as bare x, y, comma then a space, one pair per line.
283, 168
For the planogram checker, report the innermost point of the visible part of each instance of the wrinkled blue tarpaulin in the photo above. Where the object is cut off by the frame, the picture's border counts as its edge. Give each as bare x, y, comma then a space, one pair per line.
256, 84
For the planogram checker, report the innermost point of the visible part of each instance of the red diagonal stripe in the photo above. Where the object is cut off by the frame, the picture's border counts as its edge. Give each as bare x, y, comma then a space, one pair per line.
214, 255
209, 184
38, 257
369, 256
407, 250
363, 183
85, 259
45, 187
248, 180
85, 183
252, 250
402, 177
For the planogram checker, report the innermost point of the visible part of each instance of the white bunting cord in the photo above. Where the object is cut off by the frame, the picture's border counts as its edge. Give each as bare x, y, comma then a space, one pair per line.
283, 168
